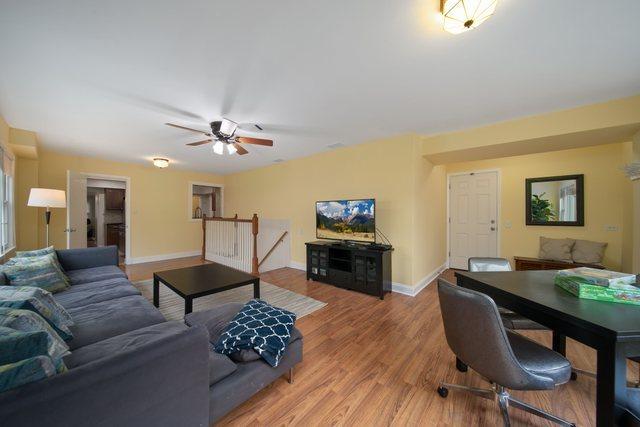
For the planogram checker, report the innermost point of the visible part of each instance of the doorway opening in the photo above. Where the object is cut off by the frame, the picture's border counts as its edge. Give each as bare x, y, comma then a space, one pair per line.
98, 212
205, 199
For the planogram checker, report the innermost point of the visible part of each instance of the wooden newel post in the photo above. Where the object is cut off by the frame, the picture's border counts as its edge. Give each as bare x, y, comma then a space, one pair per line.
254, 258
204, 236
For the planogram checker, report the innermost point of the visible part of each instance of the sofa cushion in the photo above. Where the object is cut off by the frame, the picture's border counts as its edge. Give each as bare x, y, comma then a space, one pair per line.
261, 327
220, 367
214, 319
95, 274
40, 272
556, 249
41, 302
588, 252
248, 380
127, 341
94, 292
102, 320
26, 371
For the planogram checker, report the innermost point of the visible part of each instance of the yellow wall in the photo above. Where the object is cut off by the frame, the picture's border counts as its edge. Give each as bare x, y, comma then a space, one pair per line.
26, 217
429, 232
604, 120
159, 202
607, 192
384, 170
4, 132
633, 155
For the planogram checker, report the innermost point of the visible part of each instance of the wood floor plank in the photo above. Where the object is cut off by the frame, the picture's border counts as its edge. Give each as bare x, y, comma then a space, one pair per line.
370, 362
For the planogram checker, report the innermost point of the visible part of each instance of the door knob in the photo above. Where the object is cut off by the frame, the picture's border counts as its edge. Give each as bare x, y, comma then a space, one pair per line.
493, 229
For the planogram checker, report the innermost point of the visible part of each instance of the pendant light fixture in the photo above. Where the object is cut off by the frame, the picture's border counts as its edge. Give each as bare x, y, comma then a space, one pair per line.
464, 15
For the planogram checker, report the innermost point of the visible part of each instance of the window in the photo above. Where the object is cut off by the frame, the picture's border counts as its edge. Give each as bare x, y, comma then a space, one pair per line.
7, 214
204, 200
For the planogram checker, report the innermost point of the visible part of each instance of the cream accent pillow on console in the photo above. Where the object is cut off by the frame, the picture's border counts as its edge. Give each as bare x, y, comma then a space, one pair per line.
556, 249
588, 252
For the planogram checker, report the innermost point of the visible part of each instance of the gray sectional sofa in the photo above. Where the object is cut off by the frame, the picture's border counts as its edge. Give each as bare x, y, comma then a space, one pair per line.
129, 366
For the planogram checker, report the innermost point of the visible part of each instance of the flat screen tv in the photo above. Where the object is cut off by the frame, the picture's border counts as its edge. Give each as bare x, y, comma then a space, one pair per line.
352, 220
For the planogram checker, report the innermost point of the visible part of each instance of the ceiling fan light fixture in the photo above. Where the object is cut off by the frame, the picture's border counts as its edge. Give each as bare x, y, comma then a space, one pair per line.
228, 127
231, 149
464, 15
218, 148
160, 162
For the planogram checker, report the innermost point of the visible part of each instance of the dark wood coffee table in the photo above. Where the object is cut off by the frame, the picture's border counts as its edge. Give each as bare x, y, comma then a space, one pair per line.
201, 280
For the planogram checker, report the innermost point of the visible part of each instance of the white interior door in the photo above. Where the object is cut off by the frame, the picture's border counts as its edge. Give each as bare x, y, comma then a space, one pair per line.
473, 221
76, 210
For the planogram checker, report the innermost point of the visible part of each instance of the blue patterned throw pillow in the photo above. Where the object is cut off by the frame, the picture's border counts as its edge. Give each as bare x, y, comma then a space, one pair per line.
261, 327
41, 272
28, 321
41, 302
50, 252
25, 371
16, 345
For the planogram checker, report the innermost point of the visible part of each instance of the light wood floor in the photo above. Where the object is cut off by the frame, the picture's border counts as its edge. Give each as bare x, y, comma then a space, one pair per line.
376, 363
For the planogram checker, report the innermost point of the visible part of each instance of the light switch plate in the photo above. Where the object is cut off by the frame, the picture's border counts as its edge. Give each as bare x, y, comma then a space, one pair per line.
610, 228
507, 224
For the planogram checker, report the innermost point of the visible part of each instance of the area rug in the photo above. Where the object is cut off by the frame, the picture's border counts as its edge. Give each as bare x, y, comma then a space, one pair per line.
172, 305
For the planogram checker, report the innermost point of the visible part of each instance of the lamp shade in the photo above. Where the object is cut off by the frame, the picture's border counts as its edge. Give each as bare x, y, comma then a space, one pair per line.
47, 198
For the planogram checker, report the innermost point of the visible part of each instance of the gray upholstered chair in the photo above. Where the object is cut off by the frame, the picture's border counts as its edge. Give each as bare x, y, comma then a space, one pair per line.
510, 319
509, 360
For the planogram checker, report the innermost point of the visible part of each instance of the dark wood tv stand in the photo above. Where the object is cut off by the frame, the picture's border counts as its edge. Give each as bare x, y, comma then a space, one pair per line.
358, 267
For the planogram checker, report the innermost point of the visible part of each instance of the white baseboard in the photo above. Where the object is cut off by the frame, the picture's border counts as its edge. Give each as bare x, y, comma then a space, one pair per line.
298, 265
412, 291
163, 257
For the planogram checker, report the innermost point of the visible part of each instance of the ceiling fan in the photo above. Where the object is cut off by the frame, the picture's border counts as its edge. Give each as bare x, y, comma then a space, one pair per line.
223, 132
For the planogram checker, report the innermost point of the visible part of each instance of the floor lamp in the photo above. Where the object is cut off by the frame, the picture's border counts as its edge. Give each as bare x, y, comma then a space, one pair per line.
47, 198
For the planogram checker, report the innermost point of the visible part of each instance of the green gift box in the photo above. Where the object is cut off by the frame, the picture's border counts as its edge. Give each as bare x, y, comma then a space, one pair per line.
577, 287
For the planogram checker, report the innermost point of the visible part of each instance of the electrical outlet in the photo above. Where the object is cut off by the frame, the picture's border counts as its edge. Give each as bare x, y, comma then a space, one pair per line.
301, 232
610, 228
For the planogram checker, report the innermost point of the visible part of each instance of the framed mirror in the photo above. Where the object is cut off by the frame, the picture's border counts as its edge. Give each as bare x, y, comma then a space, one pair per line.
555, 200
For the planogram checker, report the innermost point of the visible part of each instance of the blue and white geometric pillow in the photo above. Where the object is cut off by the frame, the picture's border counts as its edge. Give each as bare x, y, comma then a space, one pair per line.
261, 327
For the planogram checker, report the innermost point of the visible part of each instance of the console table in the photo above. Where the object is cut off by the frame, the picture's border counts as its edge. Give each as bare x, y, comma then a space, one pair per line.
358, 267
524, 263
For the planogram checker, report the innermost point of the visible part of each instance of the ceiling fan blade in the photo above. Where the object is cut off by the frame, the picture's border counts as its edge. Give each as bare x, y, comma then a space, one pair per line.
240, 149
195, 144
186, 128
255, 141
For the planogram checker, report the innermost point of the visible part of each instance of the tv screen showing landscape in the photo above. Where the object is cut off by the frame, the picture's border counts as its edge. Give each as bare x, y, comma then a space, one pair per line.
346, 220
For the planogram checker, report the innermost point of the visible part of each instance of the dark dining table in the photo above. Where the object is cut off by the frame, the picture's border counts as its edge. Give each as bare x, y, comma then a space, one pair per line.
612, 329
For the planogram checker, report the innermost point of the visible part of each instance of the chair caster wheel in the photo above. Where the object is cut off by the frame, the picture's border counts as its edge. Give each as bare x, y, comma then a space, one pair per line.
461, 366
574, 376
443, 392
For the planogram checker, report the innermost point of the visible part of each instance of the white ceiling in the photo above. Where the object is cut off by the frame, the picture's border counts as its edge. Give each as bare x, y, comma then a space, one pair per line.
99, 78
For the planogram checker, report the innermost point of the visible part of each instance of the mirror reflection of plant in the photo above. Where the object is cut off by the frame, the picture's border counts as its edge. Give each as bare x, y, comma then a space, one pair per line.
541, 209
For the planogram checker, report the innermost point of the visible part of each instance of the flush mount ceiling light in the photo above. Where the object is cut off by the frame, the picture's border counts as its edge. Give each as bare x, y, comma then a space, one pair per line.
161, 163
464, 15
